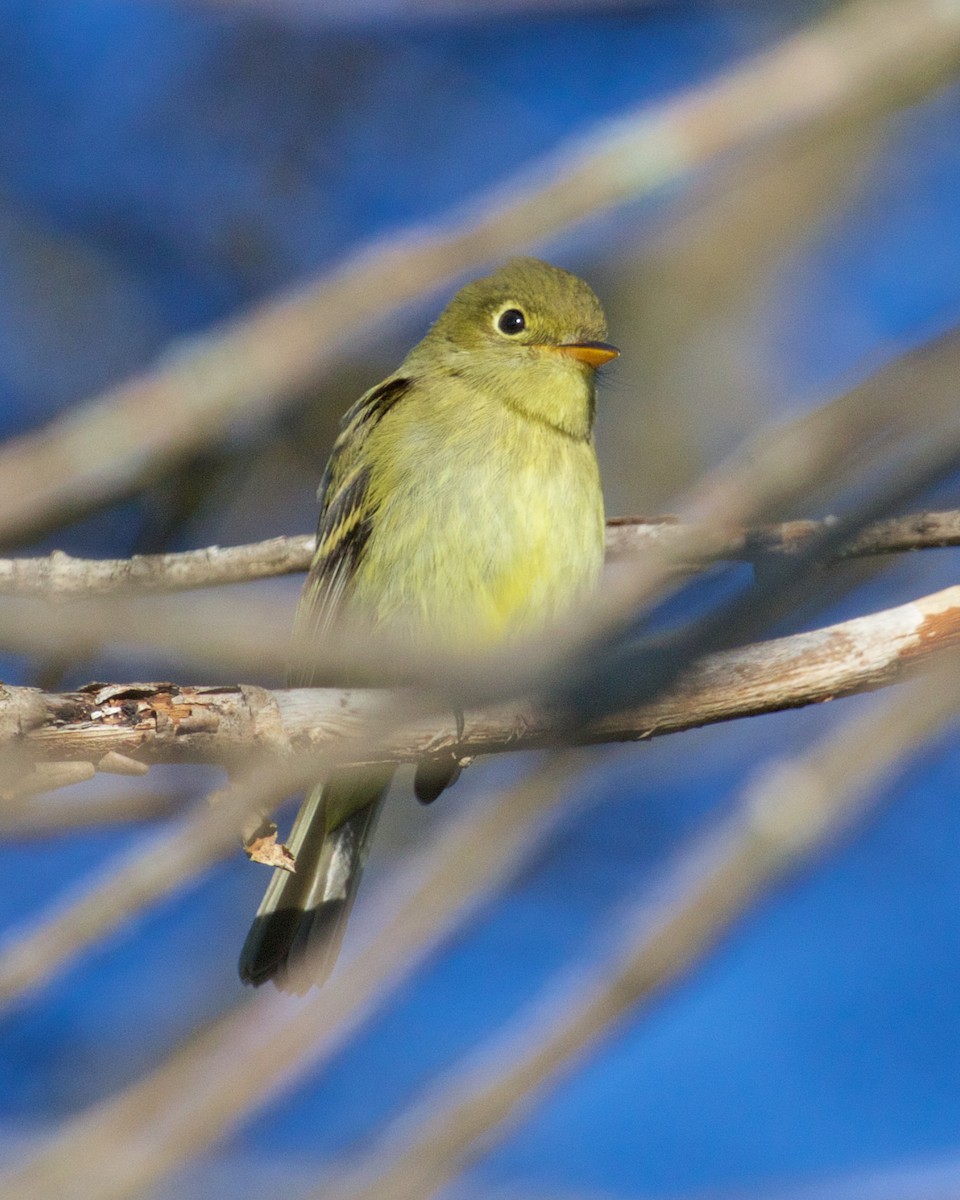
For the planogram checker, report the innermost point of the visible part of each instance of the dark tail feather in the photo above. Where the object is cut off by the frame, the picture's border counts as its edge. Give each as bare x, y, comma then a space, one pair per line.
296, 935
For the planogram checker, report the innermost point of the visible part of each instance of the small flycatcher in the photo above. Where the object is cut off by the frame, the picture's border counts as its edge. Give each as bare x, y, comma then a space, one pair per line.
461, 505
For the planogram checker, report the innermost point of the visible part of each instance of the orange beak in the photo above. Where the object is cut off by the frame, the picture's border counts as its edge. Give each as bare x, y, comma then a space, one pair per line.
594, 354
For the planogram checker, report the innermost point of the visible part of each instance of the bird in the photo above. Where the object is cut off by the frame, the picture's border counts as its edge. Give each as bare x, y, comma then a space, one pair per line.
461, 506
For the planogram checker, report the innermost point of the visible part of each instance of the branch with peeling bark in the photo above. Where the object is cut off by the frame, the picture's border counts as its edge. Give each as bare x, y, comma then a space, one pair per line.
227, 1069
795, 807
122, 727
60, 576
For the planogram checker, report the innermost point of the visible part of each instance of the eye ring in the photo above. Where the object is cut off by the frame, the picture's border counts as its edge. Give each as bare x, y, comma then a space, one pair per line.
511, 322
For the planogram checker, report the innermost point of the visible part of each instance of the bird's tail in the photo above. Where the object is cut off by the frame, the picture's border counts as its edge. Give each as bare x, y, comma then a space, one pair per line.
296, 935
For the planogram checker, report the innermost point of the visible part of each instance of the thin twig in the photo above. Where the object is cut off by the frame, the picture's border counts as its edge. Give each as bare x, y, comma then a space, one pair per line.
631, 537
60, 576
868, 53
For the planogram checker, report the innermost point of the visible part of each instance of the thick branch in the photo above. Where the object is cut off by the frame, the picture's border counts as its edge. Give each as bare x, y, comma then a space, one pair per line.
793, 808
59, 576
163, 723
239, 1061
865, 56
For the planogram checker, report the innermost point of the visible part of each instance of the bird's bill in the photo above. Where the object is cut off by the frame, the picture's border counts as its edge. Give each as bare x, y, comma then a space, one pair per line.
594, 354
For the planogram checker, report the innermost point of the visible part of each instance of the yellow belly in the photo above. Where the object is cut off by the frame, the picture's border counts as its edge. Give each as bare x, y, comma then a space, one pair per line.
477, 541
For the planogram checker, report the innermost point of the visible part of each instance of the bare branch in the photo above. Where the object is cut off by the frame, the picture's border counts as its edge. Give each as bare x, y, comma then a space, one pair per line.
867, 54
794, 808
869, 430
340, 12
240, 1061
296, 734
863, 438
631, 537
150, 723
60, 576
138, 878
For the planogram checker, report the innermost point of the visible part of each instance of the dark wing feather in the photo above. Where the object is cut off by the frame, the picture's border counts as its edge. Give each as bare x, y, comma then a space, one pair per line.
346, 518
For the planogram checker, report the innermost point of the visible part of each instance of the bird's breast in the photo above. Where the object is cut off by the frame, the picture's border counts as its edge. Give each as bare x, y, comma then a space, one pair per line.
485, 530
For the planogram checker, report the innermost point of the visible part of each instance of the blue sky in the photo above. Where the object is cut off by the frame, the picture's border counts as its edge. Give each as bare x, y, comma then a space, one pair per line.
162, 166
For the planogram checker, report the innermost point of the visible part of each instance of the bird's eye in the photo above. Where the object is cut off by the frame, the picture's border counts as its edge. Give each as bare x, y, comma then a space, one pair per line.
511, 321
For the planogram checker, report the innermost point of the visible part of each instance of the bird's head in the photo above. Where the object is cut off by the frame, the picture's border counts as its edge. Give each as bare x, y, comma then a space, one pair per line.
531, 334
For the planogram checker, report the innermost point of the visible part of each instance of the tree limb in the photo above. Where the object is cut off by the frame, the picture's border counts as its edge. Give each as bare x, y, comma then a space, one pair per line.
151, 723
794, 807
240, 1060
60, 576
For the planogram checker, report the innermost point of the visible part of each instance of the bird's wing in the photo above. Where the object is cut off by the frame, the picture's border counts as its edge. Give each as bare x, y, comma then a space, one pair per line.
346, 517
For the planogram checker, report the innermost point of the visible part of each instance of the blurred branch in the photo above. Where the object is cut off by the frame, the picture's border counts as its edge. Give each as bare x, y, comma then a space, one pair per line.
794, 808
236, 1062
126, 885
61, 576
47, 776
54, 816
688, 290
338, 12
867, 449
180, 724
149, 723
241, 1060
868, 54
869, 431
149, 871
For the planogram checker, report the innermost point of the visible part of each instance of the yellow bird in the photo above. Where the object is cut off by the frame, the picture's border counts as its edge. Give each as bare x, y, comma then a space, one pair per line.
461, 507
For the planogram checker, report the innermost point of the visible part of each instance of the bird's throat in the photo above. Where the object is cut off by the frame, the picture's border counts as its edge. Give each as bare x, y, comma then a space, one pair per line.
555, 393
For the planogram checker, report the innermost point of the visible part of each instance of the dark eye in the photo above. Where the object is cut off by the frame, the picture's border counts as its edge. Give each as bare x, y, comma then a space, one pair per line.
512, 321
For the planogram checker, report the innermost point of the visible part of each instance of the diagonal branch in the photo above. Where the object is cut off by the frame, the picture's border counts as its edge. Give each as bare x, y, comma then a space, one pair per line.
53, 815
233, 1064
151, 723
302, 727
795, 807
238, 1062
866, 55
